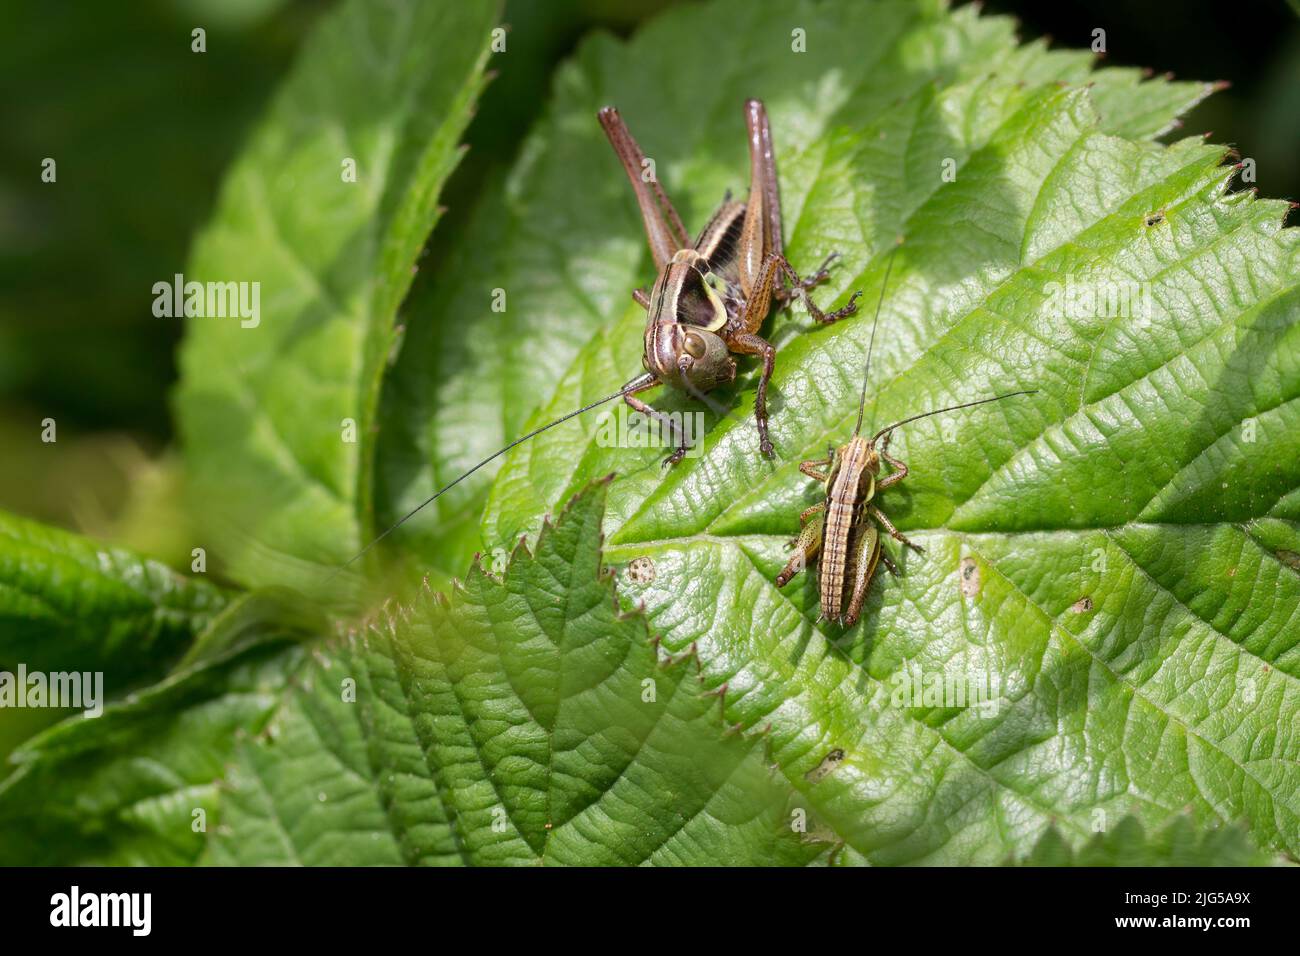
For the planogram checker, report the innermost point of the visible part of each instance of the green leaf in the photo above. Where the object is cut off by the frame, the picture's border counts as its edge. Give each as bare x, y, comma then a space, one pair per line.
1096, 553
468, 377
263, 409
71, 604
126, 788
525, 721
1179, 844
1104, 621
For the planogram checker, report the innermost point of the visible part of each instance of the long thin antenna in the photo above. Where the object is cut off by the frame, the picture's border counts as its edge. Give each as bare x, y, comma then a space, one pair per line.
950, 408
433, 497
862, 401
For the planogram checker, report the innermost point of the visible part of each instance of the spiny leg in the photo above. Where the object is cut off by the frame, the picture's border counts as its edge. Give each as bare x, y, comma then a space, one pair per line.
642, 298
801, 290
741, 336
806, 547
809, 512
813, 468
748, 343
894, 477
807, 283
900, 469
893, 532
760, 233
641, 384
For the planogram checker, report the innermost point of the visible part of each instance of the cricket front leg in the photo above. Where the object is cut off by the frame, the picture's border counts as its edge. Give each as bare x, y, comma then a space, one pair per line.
640, 384
813, 467
900, 469
806, 547
747, 343
893, 532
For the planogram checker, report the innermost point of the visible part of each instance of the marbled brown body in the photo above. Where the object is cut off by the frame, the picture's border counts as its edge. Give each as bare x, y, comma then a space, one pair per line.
852, 484
842, 535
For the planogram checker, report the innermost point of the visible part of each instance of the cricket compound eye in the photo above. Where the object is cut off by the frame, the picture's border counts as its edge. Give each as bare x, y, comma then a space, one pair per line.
703, 362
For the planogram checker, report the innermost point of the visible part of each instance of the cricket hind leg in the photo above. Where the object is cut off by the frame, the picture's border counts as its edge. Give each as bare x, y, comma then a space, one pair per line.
762, 233
806, 546
664, 230
763, 158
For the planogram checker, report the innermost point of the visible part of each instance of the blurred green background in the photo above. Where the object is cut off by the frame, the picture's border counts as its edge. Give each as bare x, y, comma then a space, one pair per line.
141, 129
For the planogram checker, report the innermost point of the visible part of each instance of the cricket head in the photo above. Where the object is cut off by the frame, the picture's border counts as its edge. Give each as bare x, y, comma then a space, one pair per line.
682, 345
871, 458
689, 358
859, 457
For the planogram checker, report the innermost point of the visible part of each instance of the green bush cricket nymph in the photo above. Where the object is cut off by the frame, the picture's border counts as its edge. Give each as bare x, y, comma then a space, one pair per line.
840, 533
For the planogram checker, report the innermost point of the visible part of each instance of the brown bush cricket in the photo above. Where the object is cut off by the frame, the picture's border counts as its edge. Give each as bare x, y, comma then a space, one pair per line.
712, 296
840, 533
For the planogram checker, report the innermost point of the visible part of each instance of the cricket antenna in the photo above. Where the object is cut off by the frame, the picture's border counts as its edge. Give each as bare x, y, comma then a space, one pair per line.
631, 386
862, 401
950, 408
